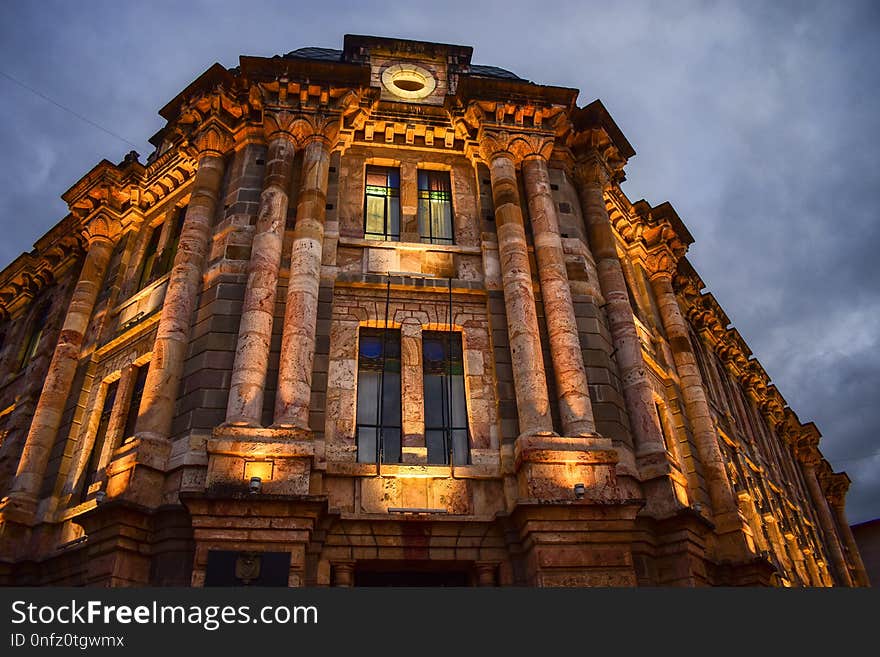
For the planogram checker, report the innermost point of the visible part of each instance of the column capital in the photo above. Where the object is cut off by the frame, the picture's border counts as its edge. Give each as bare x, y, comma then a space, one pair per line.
212, 140
516, 145
835, 485
100, 227
592, 170
662, 265
808, 455
300, 127
306, 128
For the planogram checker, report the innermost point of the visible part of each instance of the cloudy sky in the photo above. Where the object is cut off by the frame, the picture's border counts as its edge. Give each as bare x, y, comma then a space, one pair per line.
758, 123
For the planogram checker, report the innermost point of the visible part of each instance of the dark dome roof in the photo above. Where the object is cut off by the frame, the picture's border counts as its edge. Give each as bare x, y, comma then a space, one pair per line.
325, 54
492, 72
334, 55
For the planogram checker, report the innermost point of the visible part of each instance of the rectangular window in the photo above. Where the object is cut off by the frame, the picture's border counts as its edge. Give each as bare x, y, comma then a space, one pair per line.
382, 204
435, 207
90, 474
34, 336
166, 258
134, 406
666, 439
446, 423
149, 261
378, 396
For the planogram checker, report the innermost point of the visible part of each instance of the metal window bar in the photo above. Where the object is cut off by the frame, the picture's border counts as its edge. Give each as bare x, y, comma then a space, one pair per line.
380, 397
386, 192
448, 403
435, 186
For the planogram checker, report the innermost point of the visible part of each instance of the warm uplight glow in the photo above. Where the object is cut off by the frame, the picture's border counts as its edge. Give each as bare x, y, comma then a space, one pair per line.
261, 469
408, 81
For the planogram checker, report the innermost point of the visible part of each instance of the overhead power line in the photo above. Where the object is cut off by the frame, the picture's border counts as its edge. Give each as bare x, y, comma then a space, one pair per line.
66, 109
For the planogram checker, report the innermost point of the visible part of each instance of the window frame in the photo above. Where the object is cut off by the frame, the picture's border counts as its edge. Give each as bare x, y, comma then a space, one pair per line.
36, 332
424, 192
390, 337
133, 403
453, 366
150, 257
102, 434
390, 193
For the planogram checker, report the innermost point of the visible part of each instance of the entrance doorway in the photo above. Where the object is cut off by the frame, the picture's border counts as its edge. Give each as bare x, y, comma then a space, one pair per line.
413, 573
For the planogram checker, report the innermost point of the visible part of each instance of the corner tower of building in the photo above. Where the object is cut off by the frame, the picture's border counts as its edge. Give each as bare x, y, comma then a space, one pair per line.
382, 315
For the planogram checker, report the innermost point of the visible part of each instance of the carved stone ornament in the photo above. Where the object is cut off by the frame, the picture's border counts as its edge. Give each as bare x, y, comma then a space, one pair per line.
516, 145
247, 567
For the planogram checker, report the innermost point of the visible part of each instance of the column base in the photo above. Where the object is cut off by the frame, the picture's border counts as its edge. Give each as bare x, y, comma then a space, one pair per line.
19, 508
137, 471
281, 458
15, 533
557, 468
241, 422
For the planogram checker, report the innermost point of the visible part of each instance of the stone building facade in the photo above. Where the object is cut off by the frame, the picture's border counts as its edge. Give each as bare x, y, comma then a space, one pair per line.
384, 316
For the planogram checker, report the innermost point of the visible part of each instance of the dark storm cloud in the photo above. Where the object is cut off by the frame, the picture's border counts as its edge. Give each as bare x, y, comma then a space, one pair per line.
759, 124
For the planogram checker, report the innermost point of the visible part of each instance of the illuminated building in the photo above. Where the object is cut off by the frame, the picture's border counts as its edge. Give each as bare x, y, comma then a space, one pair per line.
385, 316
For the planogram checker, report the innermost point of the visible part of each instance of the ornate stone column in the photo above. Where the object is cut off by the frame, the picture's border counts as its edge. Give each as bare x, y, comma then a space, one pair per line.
301, 313
721, 493
812, 568
62, 369
172, 335
530, 384
809, 456
592, 176
248, 382
575, 408
837, 485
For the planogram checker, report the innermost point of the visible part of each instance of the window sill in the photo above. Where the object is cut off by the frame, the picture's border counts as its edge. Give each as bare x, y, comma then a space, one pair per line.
409, 246
414, 471
143, 293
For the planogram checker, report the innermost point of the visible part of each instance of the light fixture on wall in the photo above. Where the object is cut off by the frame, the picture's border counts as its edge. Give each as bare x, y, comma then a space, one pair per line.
579, 491
255, 486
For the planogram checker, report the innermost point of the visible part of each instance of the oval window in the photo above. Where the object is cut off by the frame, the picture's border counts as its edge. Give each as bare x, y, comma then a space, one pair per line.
408, 81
